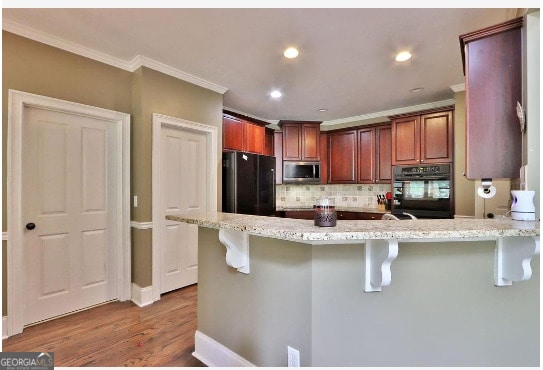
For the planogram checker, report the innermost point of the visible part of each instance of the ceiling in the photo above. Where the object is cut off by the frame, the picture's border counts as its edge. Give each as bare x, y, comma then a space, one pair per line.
346, 63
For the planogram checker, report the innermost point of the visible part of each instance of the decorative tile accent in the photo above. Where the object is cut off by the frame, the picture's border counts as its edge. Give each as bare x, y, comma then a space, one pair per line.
356, 195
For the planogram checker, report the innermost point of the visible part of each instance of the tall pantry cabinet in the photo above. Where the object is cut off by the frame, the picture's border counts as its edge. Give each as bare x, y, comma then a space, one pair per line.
492, 59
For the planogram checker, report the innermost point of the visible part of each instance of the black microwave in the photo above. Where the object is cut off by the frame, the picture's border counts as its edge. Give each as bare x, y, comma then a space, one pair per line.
301, 172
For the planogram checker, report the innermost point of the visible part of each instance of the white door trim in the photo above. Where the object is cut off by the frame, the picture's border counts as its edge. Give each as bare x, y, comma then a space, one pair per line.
159, 121
17, 101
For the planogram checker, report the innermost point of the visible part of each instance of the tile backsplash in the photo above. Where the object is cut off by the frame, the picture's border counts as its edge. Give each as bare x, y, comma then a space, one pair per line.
355, 195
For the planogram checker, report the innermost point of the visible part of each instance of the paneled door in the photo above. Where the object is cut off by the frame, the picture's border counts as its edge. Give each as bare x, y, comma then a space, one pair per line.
183, 178
69, 208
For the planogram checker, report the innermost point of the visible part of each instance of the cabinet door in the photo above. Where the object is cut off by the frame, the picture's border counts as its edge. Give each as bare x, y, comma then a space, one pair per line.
347, 215
310, 142
304, 215
436, 137
383, 172
292, 142
278, 152
493, 69
342, 157
366, 156
233, 133
269, 142
254, 138
324, 157
406, 141
369, 216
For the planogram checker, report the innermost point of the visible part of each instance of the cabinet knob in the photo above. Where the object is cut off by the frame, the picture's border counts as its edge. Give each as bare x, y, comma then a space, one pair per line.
30, 226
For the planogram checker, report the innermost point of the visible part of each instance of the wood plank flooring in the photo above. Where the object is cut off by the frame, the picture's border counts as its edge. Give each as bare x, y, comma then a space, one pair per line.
119, 334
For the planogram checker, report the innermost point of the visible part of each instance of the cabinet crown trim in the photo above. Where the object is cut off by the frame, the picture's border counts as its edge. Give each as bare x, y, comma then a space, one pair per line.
485, 32
419, 113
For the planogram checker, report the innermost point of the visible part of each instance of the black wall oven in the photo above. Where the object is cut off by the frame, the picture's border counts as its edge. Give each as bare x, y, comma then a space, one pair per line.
424, 191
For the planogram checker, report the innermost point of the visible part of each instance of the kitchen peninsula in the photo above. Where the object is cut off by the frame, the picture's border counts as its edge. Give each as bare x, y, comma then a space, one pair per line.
455, 292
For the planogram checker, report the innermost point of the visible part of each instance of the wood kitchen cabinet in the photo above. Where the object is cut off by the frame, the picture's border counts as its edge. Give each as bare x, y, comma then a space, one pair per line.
269, 135
254, 138
244, 135
301, 140
366, 156
374, 155
342, 157
371, 148
278, 153
341, 215
422, 138
233, 133
383, 165
492, 59
324, 158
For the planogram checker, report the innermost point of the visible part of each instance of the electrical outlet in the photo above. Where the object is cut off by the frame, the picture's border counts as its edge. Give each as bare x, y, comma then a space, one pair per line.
293, 357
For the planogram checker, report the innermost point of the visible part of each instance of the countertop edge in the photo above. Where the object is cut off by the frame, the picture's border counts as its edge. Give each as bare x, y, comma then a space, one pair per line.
346, 231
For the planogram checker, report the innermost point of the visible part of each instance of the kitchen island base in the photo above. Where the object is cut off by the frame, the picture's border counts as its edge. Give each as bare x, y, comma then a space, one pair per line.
440, 309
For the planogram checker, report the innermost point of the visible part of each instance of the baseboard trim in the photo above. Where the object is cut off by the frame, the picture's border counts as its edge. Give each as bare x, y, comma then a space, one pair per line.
212, 353
4, 327
142, 296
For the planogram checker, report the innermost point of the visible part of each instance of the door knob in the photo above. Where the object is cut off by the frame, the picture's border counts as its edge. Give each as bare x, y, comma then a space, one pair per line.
30, 226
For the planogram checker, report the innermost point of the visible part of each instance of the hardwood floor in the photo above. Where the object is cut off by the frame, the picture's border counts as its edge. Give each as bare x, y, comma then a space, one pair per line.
119, 334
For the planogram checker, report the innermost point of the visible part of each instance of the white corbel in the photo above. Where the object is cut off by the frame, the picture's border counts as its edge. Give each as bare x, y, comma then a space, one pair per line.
379, 254
512, 259
237, 248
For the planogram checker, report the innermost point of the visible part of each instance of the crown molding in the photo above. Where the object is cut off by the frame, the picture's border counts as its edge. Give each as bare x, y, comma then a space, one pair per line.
143, 61
458, 88
269, 121
391, 112
130, 66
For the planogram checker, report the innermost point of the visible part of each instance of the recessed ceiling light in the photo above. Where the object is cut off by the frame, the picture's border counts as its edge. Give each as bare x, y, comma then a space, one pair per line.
291, 53
402, 56
416, 89
322, 110
276, 94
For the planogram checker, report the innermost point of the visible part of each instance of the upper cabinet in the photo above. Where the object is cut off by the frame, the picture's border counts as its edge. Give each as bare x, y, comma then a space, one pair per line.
254, 138
492, 59
278, 153
383, 163
301, 140
246, 136
366, 156
269, 140
360, 155
422, 138
342, 153
233, 133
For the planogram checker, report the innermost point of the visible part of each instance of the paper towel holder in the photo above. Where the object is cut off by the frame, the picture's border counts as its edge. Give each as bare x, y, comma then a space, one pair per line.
486, 184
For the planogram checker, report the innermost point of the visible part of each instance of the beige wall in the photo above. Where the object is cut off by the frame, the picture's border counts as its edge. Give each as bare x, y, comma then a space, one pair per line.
464, 189
155, 92
40, 69
441, 308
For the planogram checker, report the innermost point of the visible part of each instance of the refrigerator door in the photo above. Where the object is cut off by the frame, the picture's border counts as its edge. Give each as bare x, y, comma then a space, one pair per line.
240, 174
266, 186
248, 184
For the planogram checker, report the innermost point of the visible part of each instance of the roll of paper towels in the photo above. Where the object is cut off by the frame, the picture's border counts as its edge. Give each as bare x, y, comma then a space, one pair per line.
486, 191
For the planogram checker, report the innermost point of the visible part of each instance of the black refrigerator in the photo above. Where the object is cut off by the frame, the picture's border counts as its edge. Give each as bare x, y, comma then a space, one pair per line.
248, 183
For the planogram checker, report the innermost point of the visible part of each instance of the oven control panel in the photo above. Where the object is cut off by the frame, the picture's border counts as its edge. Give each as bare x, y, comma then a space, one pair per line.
432, 170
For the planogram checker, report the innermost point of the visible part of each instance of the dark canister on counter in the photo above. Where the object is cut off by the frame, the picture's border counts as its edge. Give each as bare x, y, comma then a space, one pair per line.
325, 212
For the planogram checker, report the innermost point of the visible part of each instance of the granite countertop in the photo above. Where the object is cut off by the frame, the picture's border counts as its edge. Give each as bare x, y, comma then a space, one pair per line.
338, 208
304, 231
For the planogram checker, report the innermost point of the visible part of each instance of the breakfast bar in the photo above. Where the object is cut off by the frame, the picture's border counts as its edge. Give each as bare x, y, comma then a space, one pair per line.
367, 293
